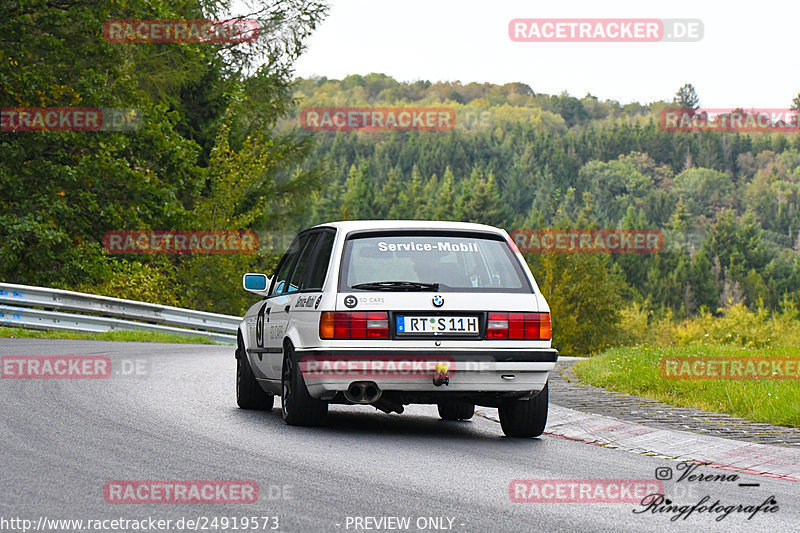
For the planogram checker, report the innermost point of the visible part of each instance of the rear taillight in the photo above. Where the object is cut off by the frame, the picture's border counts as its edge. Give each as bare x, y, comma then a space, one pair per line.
361, 325
326, 326
518, 326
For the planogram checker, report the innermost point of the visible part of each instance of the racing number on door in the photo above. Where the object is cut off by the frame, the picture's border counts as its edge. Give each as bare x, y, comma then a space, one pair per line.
260, 325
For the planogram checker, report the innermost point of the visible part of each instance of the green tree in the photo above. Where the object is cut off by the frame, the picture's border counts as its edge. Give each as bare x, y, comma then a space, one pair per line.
481, 202
585, 291
702, 281
705, 192
443, 205
687, 97
410, 198
390, 193
241, 193
63, 190
358, 199
634, 266
739, 247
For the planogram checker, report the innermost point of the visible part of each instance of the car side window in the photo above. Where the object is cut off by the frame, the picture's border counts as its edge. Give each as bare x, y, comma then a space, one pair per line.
287, 265
322, 258
301, 267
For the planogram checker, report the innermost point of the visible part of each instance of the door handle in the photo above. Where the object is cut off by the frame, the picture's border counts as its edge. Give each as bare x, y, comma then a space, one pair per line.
287, 308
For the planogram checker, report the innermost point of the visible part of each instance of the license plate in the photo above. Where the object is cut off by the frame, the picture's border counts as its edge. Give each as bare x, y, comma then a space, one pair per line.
431, 325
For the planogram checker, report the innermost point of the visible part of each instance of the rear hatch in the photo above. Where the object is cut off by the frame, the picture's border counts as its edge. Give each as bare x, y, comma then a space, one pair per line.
434, 284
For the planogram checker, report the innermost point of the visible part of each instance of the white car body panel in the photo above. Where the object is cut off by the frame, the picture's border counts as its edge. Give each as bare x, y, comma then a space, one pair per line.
300, 326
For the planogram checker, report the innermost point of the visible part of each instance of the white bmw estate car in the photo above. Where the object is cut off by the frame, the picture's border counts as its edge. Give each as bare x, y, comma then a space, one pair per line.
390, 313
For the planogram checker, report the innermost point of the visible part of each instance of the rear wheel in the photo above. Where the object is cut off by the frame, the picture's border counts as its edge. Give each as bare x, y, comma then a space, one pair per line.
525, 418
249, 395
456, 411
299, 408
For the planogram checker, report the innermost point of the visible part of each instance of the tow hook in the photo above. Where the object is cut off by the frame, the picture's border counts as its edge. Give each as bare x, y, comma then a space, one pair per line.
441, 377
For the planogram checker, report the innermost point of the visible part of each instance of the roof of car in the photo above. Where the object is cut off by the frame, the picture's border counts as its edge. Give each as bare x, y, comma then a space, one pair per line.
358, 225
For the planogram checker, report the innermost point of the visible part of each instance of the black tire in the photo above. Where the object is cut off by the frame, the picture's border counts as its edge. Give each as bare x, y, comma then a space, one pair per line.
525, 418
249, 395
297, 405
456, 411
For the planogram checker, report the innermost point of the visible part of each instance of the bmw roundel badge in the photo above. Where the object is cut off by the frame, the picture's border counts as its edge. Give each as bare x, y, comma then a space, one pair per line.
437, 301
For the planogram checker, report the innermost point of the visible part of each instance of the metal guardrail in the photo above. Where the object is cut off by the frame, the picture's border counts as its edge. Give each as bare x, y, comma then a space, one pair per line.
19, 303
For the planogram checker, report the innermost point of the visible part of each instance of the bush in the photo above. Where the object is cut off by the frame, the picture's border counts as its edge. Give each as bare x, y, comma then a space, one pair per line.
138, 281
737, 326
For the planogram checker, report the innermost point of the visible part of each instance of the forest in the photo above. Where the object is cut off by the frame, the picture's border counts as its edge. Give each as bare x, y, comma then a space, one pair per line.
726, 203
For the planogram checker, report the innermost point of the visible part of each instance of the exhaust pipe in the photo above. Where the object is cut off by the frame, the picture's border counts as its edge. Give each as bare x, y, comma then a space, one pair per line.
362, 392
389, 406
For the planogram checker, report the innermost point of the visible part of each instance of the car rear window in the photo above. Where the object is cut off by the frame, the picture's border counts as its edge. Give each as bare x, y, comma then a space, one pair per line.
456, 261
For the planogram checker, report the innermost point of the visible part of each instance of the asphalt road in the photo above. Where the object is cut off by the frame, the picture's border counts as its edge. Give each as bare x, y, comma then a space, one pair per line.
63, 440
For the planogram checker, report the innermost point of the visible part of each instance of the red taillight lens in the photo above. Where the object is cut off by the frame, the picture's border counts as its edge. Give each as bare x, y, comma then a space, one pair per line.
357, 325
516, 325
531, 326
341, 325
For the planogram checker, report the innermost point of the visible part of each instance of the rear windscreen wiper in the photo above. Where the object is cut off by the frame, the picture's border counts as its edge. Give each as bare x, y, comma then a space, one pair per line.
397, 286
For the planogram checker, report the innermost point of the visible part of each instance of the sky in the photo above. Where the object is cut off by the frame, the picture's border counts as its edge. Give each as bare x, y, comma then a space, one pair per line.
747, 57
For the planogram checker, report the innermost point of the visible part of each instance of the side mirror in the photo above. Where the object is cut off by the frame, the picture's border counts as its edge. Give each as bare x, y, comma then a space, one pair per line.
255, 283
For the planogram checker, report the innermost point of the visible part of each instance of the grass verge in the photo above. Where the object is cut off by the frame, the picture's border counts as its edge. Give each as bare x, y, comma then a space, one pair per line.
634, 370
119, 336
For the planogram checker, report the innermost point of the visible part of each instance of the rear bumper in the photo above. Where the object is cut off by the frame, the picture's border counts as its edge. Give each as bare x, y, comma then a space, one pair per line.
499, 355
510, 371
